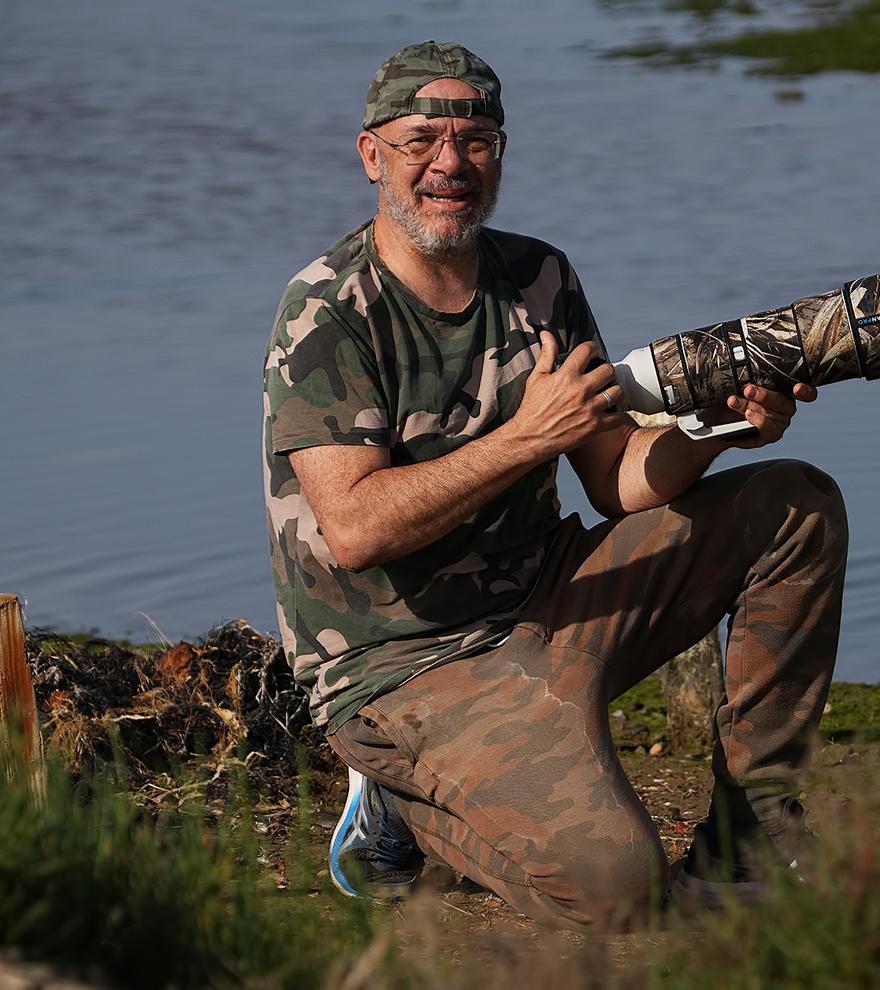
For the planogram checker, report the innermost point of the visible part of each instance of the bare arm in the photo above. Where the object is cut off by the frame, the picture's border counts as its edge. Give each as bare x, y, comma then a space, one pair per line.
371, 512
657, 464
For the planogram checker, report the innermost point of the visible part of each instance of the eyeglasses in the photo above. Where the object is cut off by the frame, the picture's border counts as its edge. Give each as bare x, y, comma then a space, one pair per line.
477, 147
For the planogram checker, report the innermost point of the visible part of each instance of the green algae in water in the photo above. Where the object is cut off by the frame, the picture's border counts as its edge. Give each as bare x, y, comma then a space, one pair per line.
848, 40
709, 8
849, 43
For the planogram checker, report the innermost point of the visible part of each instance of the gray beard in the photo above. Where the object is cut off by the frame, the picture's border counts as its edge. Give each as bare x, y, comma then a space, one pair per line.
432, 243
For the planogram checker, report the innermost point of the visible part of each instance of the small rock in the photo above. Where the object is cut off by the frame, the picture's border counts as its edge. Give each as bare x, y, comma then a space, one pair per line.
641, 751
827, 710
656, 749
619, 714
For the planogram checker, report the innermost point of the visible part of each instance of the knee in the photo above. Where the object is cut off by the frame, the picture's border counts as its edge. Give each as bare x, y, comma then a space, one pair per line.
803, 483
812, 495
612, 884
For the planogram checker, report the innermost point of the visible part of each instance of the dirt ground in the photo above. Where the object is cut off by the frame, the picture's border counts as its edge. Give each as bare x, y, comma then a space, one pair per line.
675, 791
189, 717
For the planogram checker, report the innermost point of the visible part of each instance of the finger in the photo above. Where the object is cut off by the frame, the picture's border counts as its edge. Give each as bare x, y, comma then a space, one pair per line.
602, 376
580, 357
777, 402
757, 414
549, 350
769, 424
609, 399
805, 393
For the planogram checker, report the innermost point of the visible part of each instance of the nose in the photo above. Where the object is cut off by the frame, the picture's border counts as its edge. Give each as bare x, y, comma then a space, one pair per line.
449, 158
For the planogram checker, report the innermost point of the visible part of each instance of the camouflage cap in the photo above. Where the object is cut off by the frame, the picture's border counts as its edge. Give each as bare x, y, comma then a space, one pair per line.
392, 92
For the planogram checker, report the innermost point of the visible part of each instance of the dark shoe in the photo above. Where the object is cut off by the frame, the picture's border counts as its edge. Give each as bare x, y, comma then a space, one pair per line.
722, 869
372, 852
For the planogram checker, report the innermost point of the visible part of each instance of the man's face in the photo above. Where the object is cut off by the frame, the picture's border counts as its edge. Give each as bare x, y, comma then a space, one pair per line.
439, 206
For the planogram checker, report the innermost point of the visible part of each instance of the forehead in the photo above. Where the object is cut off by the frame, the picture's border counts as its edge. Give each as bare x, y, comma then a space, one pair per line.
449, 89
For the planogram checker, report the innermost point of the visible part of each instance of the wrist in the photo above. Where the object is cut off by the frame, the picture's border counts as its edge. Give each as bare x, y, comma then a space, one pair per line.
523, 446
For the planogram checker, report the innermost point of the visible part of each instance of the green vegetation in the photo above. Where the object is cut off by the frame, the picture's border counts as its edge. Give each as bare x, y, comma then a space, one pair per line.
709, 8
855, 712
846, 37
93, 884
168, 868
850, 41
644, 705
96, 887
823, 933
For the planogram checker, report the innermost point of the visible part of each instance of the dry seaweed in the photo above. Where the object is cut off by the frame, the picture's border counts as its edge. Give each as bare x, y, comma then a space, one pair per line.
223, 702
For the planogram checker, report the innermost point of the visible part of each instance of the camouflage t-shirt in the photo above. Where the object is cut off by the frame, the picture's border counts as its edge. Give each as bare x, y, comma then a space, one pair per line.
356, 358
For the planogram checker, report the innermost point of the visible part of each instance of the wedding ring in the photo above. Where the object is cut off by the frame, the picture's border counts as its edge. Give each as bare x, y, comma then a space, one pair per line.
610, 403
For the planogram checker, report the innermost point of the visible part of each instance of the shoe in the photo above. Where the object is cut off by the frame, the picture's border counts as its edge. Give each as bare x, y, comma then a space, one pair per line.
717, 873
372, 852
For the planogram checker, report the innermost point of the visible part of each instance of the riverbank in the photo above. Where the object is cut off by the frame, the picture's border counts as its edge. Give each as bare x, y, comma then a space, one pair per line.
189, 806
838, 37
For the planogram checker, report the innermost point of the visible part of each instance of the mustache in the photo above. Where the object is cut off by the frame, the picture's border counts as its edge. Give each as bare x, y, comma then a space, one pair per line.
447, 185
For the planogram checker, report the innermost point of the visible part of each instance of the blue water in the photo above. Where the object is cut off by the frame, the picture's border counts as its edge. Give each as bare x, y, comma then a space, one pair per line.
167, 166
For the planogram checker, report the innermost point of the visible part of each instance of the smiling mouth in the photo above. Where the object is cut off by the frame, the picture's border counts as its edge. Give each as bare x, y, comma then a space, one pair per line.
452, 200
447, 193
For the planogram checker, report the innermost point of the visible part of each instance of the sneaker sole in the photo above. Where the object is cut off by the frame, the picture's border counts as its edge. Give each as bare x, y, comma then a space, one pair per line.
355, 786
693, 894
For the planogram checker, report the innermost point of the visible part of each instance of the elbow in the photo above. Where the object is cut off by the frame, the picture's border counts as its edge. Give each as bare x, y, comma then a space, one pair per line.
352, 548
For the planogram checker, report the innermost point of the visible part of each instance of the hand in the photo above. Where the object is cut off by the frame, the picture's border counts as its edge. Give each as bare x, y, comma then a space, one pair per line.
561, 408
769, 412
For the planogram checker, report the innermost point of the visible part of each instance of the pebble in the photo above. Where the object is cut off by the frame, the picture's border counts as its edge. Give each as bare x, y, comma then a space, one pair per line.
656, 749
827, 710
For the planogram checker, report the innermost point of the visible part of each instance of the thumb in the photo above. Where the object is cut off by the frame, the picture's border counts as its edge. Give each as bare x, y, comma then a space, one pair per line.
549, 350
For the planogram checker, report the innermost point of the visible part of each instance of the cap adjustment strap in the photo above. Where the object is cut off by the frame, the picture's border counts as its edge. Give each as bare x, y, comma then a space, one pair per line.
434, 107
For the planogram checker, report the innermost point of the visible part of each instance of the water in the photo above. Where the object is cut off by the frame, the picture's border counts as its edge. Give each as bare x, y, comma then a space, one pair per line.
166, 166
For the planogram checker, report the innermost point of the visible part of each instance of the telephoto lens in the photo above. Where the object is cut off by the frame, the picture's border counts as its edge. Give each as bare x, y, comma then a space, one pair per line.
816, 340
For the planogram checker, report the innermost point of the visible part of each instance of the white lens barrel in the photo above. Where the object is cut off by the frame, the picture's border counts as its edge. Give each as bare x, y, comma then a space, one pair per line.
637, 376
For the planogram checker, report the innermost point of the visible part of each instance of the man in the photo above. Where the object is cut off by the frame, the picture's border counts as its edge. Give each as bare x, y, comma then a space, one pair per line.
459, 642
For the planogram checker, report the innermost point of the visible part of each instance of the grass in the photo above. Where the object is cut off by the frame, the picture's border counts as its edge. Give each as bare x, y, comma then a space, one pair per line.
91, 884
644, 705
96, 887
823, 933
855, 712
98, 883
845, 38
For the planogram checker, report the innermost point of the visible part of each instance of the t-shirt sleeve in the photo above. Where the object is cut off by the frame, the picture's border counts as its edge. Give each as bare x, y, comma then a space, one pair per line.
322, 382
579, 317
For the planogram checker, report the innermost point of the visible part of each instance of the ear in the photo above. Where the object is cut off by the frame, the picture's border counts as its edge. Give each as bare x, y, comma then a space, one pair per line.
368, 150
503, 144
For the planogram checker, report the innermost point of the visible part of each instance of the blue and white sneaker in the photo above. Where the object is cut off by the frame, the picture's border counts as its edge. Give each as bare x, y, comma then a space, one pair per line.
372, 852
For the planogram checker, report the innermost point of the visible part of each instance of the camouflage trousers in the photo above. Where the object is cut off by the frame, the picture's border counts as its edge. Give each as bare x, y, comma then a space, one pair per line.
503, 763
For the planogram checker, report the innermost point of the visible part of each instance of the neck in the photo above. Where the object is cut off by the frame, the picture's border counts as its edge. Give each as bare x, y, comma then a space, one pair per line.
445, 283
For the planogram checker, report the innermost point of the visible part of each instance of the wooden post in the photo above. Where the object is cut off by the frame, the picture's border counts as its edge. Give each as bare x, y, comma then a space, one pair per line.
693, 683
19, 721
